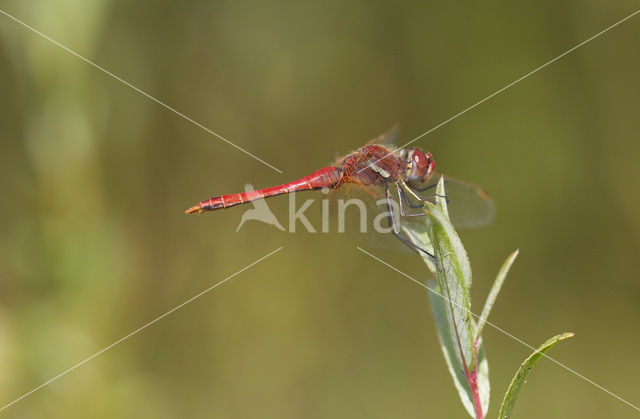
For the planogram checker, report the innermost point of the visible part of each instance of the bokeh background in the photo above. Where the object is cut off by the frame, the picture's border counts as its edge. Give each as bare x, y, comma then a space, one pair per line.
94, 179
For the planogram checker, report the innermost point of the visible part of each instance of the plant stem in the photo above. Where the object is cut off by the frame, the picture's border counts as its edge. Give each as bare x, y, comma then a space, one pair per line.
472, 378
473, 382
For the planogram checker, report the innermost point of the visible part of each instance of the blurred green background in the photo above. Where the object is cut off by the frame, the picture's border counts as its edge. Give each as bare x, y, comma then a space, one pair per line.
95, 177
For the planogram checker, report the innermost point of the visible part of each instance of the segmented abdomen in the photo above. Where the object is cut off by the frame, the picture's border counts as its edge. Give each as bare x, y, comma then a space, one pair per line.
327, 177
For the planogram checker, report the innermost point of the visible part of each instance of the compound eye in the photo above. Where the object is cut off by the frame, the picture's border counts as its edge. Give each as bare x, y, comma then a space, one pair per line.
421, 166
419, 159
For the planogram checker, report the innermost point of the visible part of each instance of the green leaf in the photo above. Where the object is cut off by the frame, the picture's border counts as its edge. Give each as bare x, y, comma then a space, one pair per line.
420, 238
451, 303
449, 349
495, 289
484, 388
454, 278
449, 346
521, 375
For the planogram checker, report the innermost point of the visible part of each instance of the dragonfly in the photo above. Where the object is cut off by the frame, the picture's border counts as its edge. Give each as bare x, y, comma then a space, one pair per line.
379, 170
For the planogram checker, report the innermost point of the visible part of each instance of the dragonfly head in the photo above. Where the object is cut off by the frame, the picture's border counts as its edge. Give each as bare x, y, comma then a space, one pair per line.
420, 165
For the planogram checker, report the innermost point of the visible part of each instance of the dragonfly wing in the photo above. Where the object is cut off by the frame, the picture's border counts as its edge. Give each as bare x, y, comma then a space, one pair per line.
388, 138
470, 206
363, 211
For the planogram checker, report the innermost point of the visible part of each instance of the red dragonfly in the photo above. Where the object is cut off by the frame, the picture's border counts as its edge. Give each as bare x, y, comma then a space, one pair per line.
376, 169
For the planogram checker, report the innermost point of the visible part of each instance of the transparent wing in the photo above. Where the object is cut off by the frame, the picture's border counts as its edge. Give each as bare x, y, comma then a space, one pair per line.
361, 212
388, 138
470, 206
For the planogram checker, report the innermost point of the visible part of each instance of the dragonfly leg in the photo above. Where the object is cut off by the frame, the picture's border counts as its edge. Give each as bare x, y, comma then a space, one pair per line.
426, 188
403, 199
395, 229
429, 198
413, 193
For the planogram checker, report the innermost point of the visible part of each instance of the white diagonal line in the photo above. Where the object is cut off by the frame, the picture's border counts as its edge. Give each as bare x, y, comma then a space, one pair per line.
505, 87
501, 330
138, 90
138, 330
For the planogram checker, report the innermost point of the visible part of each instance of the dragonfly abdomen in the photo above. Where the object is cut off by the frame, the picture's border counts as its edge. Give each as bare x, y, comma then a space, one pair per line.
327, 177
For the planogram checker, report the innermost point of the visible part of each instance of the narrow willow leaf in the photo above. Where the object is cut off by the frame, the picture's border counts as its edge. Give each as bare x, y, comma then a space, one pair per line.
449, 350
484, 388
441, 198
521, 375
440, 310
454, 277
450, 302
493, 294
420, 238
